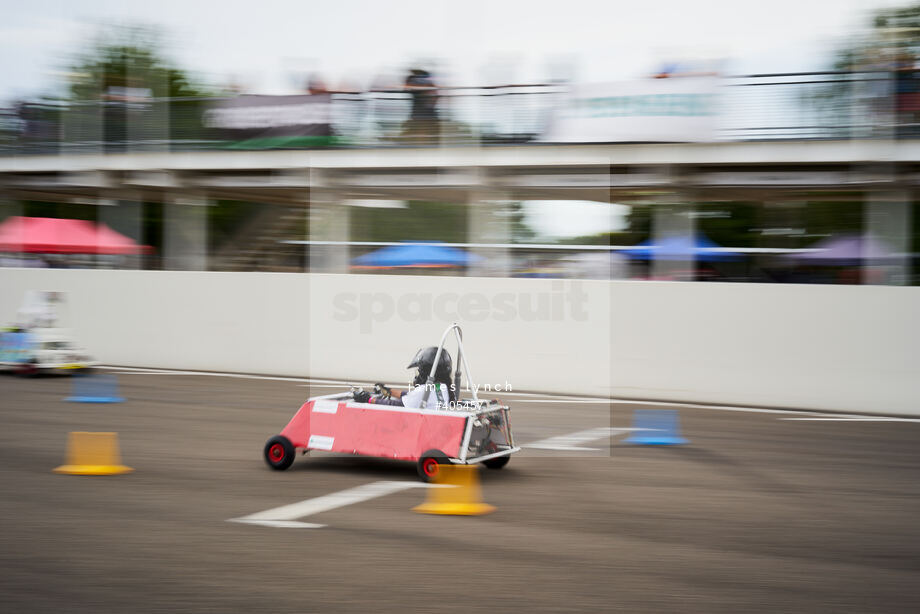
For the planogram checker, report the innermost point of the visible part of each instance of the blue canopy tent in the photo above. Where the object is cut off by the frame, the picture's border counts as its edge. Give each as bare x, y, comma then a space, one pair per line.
426, 254
682, 248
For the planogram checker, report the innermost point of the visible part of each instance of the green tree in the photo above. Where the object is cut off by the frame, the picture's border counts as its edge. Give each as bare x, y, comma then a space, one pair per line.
637, 229
127, 70
519, 230
418, 221
892, 32
129, 57
729, 224
890, 41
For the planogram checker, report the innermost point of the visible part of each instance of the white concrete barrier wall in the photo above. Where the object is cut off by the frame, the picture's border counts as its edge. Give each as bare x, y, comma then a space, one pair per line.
847, 348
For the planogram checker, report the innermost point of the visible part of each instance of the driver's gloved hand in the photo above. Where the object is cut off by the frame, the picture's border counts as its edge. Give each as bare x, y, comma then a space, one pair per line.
382, 390
361, 396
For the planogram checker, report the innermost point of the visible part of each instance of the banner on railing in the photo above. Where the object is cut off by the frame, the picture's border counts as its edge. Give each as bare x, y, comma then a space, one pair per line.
676, 109
255, 121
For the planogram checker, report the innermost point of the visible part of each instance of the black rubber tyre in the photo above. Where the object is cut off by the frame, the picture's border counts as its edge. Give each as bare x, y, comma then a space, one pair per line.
428, 464
28, 369
497, 463
279, 452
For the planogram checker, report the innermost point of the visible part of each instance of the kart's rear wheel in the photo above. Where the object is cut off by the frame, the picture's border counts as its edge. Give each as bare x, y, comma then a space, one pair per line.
429, 464
279, 452
496, 463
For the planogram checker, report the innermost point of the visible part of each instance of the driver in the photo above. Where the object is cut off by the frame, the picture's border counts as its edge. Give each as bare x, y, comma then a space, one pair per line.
443, 391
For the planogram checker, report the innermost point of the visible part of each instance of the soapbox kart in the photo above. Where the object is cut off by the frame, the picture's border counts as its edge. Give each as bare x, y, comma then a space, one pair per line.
465, 432
37, 343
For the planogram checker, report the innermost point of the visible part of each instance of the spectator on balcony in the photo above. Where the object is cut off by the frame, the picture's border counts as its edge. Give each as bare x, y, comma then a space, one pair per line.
316, 85
907, 94
423, 123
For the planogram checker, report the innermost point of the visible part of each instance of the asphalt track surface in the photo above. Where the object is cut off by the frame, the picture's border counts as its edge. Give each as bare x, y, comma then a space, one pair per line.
757, 513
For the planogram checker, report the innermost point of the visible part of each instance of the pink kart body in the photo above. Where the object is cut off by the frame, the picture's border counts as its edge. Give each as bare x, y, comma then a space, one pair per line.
460, 431
384, 431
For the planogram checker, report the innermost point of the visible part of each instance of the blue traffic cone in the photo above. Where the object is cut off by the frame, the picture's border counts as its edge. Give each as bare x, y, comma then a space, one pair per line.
95, 389
656, 427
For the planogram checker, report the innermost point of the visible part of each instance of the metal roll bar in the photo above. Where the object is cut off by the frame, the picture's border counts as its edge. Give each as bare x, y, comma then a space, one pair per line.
461, 360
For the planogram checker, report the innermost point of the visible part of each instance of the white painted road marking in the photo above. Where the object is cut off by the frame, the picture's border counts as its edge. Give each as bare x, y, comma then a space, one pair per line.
572, 441
565, 401
286, 515
280, 524
856, 419
151, 371
548, 398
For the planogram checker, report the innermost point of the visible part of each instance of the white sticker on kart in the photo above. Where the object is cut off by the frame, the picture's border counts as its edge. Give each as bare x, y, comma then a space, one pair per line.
320, 442
325, 406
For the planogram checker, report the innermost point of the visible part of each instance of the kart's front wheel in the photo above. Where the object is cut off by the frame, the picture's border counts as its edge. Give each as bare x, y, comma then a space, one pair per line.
279, 452
429, 464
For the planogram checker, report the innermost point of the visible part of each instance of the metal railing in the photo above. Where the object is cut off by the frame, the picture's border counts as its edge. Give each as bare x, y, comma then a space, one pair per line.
823, 105
788, 106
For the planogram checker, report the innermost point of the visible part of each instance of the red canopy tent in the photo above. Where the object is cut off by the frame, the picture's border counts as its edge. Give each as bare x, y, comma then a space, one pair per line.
48, 235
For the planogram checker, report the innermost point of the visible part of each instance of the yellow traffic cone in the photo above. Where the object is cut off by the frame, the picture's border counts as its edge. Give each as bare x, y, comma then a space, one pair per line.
457, 493
92, 454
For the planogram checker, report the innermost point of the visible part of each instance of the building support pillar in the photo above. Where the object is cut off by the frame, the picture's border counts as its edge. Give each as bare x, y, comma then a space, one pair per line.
329, 220
185, 233
674, 222
887, 228
124, 215
489, 217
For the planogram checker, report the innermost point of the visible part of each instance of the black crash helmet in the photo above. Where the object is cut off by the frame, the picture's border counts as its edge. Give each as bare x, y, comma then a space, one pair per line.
424, 359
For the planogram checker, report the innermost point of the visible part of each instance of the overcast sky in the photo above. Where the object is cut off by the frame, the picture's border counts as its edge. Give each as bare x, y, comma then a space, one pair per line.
268, 45
262, 43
